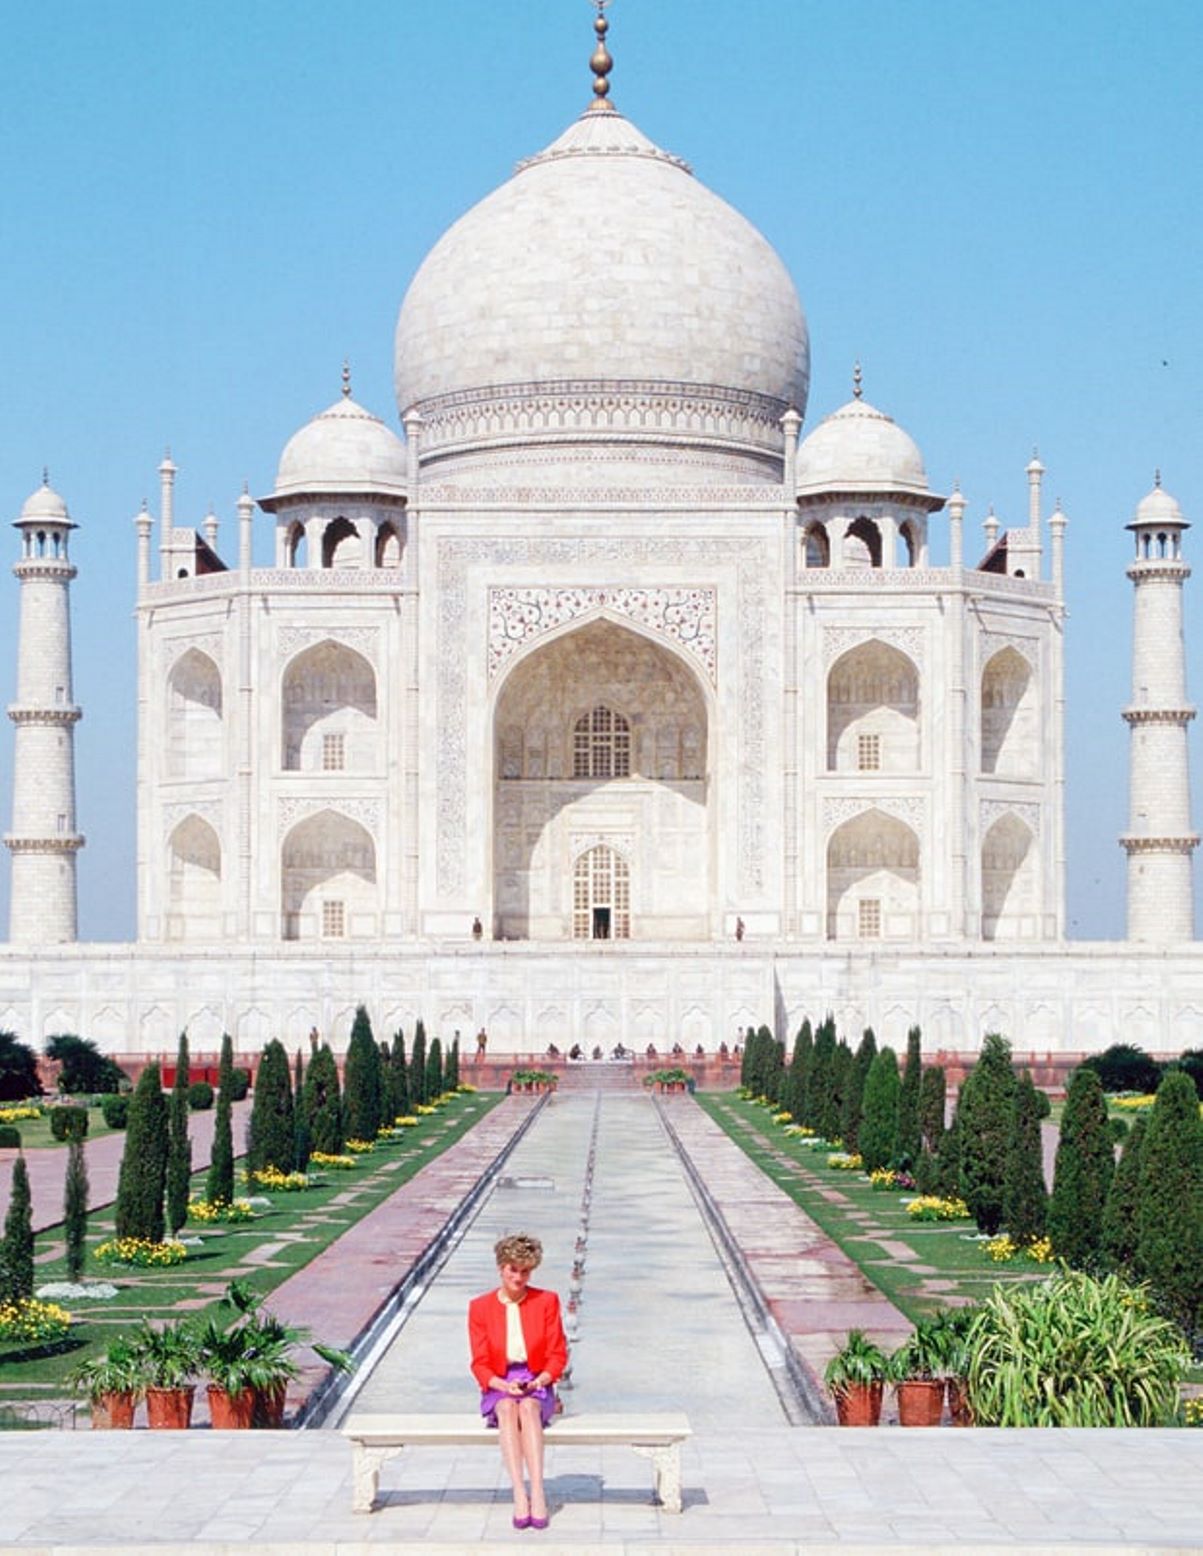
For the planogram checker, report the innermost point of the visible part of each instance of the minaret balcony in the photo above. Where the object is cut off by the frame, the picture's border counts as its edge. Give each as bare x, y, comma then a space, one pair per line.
1142, 715
45, 713
1184, 843
58, 568
57, 843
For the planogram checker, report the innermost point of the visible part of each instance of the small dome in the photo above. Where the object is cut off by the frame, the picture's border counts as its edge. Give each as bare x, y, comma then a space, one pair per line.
860, 449
345, 449
44, 506
1158, 508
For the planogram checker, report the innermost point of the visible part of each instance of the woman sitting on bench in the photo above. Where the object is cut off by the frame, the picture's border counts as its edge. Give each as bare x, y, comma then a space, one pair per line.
518, 1353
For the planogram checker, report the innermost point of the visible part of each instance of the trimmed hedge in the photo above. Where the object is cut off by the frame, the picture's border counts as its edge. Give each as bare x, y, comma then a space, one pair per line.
240, 1084
69, 1123
114, 1109
200, 1096
10, 1137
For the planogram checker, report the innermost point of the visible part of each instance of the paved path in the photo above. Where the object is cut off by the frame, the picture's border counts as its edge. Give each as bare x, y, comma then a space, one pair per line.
756, 1491
48, 1167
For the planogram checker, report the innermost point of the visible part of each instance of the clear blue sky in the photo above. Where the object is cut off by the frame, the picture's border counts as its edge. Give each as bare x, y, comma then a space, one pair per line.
996, 207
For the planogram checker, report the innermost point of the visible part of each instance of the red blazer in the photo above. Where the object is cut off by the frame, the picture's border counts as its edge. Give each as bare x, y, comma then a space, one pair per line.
546, 1348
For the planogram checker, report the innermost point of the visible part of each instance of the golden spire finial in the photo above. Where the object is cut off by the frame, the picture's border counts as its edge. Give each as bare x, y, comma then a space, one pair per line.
601, 64
346, 378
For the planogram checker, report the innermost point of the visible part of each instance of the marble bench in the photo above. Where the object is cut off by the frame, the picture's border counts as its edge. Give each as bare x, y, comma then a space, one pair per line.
376, 1438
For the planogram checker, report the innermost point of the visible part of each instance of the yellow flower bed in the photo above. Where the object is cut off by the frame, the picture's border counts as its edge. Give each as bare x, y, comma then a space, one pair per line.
1193, 1412
17, 1115
405, 1121
142, 1252
360, 1147
425, 1109
930, 1207
845, 1161
210, 1210
1146, 1101
325, 1159
1041, 1250
273, 1178
804, 1131
1001, 1250
783, 1118
29, 1321
468, 1090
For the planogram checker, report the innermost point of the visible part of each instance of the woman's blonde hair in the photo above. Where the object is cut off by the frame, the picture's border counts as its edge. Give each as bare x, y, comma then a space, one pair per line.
524, 1252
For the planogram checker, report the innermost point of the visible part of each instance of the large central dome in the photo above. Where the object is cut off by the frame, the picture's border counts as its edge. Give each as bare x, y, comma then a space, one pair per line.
603, 306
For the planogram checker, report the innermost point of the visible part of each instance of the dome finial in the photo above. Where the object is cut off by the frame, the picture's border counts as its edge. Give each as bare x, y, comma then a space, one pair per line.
1157, 478
46, 476
601, 64
857, 386
346, 378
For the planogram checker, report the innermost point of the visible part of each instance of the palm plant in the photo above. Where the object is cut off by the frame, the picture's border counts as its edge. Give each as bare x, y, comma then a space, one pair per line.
859, 1362
116, 1370
166, 1357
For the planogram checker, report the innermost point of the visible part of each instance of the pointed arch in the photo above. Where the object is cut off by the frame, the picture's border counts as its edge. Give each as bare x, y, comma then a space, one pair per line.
1009, 741
601, 895
816, 545
873, 711
193, 881
194, 717
873, 879
328, 879
341, 545
862, 543
296, 545
1009, 880
328, 701
388, 546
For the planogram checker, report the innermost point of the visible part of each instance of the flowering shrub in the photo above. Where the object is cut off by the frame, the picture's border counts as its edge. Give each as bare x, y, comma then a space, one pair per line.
77, 1291
802, 1130
1002, 1249
360, 1147
464, 1087
783, 1118
887, 1178
425, 1109
1145, 1101
930, 1207
1040, 1249
209, 1210
1192, 1411
142, 1252
338, 1163
405, 1121
16, 1115
273, 1178
845, 1161
29, 1321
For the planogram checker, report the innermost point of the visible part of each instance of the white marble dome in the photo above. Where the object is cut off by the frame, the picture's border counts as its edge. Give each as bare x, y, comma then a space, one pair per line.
602, 292
44, 506
860, 449
344, 449
1158, 507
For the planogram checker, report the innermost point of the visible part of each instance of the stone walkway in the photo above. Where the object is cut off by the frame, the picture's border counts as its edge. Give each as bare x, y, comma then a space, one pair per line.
48, 1167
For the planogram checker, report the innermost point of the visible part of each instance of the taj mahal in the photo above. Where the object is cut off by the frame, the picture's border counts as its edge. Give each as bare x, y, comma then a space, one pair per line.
602, 697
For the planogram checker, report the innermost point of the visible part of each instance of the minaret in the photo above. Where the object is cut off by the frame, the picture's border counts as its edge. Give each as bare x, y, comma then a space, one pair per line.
43, 839
1159, 840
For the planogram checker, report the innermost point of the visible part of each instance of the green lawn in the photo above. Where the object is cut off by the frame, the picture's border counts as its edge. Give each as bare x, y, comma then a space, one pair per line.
297, 1226
835, 1200
36, 1136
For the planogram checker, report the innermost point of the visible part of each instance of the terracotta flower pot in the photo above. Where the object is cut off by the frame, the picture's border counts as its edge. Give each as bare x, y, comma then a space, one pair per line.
169, 1410
859, 1404
920, 1402
958, 1403
114, 1412
269, 1407
230, 1412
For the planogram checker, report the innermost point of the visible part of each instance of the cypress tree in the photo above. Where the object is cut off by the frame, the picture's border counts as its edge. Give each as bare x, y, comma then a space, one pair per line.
219, 1185
451, 1081
1170, 1220
841, 1076
776, 1070
16, 1251
818, 1085
933, 1090
1025, 1197
273, 1136
143, 1175
1082, 1177
910, 1137
300, 1119
852, 1108
1121, 1217
323, 1104
793, 1087
879, 1118
361, 1082
387, 1111
179, 1146
399, 1071
417, 1066
75, 1209
984, 1113
434, 1070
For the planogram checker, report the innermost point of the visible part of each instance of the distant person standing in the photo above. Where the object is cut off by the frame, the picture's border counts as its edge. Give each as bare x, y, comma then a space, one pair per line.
482, 1042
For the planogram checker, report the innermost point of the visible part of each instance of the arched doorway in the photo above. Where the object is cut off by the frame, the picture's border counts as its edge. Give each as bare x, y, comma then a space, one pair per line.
601, 741
873, 879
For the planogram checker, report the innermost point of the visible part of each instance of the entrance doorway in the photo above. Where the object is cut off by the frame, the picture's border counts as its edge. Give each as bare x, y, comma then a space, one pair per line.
601, 895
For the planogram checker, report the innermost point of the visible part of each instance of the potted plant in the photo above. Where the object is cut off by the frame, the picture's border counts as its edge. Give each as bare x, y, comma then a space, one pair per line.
959, 1322
112, 1384
167, 1363
855, 1376
917, 1370
227, 1358
258, 1349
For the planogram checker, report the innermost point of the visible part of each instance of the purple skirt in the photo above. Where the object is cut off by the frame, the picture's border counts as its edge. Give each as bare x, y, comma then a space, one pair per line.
518, 1372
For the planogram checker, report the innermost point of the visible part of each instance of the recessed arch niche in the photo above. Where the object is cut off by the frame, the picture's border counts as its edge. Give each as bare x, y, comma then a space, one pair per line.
194, 881
873, 879
1009, 734
601, 737
329, 711
873, 711
328, 879
1009, 884
194, 717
